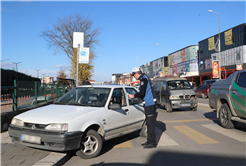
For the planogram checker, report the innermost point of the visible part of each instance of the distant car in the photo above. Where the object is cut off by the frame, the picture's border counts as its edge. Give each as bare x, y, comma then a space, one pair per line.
203, 91
205, 82
81, 120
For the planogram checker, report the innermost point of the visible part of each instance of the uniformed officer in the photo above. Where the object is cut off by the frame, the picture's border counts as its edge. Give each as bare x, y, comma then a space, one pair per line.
147, 94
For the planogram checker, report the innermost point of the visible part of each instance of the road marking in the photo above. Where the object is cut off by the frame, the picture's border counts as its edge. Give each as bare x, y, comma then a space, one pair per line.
194, 135
126, 144
51, 159
162, 139
189, 120
236, 135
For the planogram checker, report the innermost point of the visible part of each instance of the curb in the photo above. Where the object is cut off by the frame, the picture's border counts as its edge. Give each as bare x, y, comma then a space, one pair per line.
54, 159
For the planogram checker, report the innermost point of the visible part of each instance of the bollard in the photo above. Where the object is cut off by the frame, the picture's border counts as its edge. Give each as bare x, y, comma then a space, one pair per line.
19, 98
24, 98
29, 97
4, 106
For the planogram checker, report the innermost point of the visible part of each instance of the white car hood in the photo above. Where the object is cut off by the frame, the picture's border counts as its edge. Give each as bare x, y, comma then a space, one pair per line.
54, 114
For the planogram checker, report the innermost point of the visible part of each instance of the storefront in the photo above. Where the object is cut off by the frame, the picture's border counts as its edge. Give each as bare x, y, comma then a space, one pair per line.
232, 53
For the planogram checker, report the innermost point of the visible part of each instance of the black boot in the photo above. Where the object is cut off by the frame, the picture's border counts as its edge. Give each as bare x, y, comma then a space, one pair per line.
150, 146
146, 143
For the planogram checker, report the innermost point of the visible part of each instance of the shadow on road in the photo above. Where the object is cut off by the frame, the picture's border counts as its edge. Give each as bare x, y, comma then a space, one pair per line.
212, 116
165, 158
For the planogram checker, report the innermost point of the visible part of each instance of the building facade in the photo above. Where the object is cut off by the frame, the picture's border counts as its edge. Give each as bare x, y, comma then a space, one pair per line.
47, 80
232, 52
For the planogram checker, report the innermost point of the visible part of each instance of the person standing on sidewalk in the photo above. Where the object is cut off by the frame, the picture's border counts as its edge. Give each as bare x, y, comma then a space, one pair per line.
147, 94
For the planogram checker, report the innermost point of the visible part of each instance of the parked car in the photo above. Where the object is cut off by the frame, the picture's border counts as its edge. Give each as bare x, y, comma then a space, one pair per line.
203, 91
174, 92
205, 82
81, 120
228, 98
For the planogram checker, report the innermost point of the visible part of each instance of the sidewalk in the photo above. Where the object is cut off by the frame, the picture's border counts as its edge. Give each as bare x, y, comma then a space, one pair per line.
14, 155
18, 155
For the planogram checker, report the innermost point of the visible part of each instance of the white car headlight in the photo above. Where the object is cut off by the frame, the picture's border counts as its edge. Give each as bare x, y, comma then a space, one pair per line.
173, 97
57, 127
17, 122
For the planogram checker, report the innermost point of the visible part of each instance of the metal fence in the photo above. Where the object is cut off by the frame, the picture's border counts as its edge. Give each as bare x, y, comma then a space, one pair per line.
28, 93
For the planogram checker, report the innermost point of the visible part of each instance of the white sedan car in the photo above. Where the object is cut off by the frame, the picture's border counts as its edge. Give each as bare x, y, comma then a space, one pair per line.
81, 120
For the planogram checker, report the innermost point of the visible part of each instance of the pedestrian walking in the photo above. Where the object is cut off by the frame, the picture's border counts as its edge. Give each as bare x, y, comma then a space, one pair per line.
86, 82
147, 94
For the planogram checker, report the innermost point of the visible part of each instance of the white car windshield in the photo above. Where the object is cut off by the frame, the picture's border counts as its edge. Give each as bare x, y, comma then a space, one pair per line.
85, 96
178, 85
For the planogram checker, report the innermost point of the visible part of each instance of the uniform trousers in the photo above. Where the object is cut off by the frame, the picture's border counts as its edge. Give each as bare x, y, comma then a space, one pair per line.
150, 114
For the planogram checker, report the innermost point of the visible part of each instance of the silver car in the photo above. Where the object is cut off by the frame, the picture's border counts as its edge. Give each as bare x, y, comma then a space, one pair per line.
174, 92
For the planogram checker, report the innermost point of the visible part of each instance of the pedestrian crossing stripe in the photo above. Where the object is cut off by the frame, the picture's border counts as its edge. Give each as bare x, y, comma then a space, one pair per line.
195, 135
126, 144
189, 120
162, 139
236, 135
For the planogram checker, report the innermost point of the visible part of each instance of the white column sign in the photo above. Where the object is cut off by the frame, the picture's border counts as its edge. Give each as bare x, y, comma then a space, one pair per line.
84, 55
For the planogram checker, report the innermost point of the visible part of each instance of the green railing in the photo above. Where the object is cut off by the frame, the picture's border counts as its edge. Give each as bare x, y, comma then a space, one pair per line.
40, 92
28, 93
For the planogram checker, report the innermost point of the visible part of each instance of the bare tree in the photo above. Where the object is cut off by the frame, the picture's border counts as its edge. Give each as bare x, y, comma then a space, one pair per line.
60, 35
61, 73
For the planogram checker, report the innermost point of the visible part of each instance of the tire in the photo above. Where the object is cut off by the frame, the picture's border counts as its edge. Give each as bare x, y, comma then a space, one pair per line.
225, 117
143, 131
169, 107
91, 145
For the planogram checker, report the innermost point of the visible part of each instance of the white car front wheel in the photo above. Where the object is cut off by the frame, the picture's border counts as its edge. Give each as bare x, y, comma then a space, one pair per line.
91, 145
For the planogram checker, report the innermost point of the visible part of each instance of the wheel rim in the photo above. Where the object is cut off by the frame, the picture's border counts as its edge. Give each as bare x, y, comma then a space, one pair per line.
224, 116
89, 145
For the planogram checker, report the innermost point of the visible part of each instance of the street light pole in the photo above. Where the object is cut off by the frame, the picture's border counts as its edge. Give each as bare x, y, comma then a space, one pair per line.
163, 58
16, 65
141, 60
218, 43
4, 60
37, 72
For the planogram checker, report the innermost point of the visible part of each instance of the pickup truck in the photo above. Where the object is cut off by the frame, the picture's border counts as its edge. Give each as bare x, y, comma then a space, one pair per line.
228, 97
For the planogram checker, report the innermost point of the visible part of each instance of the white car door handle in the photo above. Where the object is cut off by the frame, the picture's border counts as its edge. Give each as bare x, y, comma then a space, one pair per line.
233, 92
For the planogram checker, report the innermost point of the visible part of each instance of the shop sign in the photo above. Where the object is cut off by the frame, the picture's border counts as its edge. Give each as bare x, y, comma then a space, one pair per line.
228, 37
211, 43
239, 67
215, 69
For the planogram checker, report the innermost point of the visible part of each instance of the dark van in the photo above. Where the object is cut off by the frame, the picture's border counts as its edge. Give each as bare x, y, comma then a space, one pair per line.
174, 92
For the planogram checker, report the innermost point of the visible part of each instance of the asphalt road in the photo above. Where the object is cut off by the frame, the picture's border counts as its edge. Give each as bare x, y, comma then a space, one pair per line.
184, 138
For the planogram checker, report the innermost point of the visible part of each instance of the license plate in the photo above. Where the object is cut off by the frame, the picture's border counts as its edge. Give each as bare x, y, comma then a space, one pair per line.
184, 105
31, 139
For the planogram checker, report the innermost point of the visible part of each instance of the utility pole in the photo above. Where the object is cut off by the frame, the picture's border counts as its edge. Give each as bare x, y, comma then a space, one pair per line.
16, 65
37, 72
